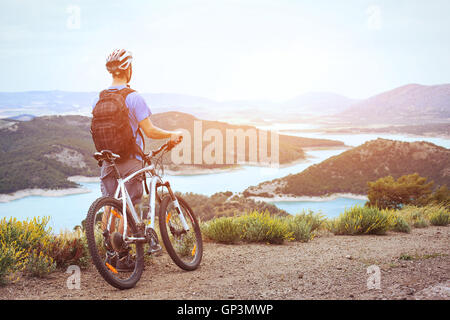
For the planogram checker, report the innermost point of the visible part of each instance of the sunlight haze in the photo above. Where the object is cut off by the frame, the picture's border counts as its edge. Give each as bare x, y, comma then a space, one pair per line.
227, 50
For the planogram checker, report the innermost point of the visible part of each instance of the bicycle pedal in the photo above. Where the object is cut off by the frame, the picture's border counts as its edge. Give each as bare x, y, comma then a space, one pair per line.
155, 250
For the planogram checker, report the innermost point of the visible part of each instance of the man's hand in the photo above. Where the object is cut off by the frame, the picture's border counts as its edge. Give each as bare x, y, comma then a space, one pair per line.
176, 135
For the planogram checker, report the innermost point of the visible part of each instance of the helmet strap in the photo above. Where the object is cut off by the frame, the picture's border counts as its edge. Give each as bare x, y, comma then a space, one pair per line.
131, 73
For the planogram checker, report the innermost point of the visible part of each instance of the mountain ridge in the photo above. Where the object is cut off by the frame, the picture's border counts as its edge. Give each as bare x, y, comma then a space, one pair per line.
411, 102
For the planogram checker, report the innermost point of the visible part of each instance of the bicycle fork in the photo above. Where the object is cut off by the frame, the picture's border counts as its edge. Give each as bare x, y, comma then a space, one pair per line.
175, 203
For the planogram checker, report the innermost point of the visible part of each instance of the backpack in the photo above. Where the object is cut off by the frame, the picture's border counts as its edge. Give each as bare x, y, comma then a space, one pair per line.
110, 127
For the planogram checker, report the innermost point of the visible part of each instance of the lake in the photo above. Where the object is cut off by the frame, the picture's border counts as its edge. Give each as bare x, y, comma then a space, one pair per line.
68, 211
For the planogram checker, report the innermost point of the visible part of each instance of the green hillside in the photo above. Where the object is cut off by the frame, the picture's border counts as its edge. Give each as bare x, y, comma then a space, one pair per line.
43, 152
29, 150
350, 171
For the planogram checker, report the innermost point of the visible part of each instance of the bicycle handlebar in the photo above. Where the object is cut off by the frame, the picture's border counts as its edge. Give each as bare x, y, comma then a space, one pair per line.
165, 147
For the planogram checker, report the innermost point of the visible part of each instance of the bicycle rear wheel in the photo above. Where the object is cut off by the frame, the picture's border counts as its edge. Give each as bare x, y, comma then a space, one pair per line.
120, 264
184, 247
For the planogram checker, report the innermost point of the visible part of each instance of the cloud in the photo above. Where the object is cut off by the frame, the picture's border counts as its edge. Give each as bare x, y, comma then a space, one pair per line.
374, 18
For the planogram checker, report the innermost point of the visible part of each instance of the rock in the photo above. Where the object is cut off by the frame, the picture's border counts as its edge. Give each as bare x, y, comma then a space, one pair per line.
349, 257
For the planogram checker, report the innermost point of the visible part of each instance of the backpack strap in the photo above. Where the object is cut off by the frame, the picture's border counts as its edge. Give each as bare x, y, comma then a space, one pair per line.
124, 92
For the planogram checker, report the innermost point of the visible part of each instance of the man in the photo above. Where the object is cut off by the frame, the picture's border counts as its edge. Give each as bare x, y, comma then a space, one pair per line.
119, 65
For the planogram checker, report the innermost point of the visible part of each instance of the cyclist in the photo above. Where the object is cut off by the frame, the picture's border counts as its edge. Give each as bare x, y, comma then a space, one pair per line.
119, 64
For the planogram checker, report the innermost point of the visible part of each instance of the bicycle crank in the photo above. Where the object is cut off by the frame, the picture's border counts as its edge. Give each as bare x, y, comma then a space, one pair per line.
153, 242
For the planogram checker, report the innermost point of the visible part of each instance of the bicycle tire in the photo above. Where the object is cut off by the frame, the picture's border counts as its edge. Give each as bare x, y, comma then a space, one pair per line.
163, 226
97, 259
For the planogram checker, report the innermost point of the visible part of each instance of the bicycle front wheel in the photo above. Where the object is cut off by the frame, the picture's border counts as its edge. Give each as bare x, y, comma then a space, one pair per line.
185, 247
120, 264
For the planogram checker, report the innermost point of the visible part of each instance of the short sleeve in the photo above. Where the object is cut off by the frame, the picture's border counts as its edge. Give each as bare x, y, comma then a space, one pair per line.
94, 101
139, 106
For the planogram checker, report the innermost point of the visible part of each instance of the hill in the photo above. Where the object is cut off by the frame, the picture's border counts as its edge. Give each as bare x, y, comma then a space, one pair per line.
409, 104
290, 147
350, 171
43, 152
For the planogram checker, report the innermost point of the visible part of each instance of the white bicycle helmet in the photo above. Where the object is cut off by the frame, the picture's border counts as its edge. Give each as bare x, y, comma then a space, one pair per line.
119, 59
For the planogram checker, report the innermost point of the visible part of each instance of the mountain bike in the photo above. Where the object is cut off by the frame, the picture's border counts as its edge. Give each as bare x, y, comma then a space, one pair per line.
117, 232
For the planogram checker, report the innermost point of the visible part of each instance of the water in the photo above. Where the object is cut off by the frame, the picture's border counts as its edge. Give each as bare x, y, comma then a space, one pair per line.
68, 211
330, 208
354, 140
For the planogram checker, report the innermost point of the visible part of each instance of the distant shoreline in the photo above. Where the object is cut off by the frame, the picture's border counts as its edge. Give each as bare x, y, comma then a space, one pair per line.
41, 192
350, 131
185, 171
331, 197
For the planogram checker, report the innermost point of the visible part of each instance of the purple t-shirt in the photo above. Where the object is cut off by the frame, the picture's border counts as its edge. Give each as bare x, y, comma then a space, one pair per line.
139, 110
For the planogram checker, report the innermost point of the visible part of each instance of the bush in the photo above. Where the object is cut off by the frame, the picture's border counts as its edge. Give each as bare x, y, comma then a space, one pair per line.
300, 229
9, 260
438, 215
414, 216
29, 247
398, 223
262, 227
25, 234
303, 225
223, 230
361, 220
38, 264
22, 244
68, 248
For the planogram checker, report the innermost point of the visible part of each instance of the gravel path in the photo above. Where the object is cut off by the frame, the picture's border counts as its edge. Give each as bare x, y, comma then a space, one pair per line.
411, 266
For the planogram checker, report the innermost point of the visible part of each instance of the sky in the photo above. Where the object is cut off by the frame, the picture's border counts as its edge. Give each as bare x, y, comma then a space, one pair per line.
227, 49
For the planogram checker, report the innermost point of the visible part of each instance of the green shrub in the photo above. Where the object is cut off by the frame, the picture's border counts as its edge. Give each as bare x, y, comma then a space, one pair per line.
315, 220
9, 260
224, 230
438, 216
29, 247
25, 234
400, 225
38, 264
397, 222
361, 220
262, 227
303, 225
414, 216
300, 229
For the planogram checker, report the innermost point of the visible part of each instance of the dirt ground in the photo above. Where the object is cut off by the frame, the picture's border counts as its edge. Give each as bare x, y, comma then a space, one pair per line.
411, 266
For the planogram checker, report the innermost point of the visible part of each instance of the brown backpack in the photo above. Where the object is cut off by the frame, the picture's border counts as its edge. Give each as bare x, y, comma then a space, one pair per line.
110, 127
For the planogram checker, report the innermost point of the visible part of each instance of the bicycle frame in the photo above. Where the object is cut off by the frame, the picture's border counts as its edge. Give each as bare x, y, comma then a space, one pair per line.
155, 182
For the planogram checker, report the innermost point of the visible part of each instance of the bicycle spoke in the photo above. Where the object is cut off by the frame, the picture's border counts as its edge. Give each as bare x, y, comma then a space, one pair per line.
113, 258
182, 245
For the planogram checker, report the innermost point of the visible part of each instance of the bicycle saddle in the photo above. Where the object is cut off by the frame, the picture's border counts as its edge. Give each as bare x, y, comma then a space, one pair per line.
105, 155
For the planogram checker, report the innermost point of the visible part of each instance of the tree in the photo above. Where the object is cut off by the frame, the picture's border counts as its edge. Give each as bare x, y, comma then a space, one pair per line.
388, 193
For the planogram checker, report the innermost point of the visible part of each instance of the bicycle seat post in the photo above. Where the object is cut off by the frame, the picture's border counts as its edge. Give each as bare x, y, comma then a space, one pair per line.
116, 171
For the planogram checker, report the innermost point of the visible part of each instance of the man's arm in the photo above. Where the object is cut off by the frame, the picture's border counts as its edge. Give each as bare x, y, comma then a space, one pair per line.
154, 132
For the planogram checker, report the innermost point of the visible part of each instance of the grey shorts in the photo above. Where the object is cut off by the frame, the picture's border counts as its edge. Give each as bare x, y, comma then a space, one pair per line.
109, 182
